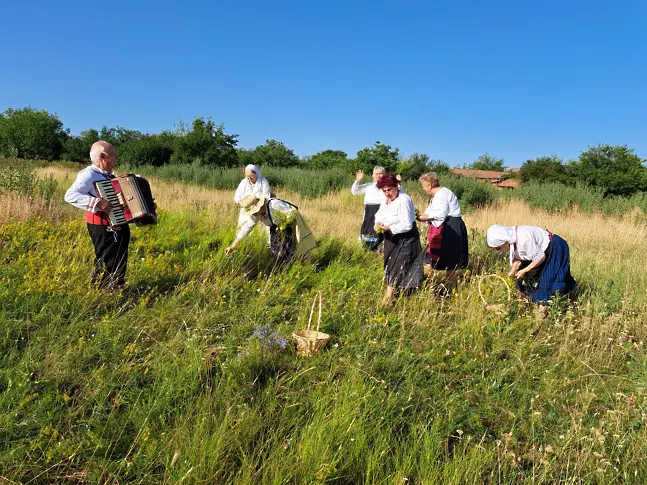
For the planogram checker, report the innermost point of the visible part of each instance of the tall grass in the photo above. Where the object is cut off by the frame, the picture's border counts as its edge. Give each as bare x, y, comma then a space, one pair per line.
471, 193
308, 183
312, 184
24, 193
556, 197
169, 382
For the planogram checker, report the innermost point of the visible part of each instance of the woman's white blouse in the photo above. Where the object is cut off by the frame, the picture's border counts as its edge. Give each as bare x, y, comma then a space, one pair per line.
531, 243
260, 189
444, 204
372, 195
399, 215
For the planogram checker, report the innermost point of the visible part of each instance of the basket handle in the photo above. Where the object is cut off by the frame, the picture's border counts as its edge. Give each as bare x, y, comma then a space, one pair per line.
313, 309
507, 286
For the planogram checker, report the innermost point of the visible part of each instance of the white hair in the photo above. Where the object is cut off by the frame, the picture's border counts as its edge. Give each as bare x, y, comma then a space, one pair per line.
98, 148
378, 169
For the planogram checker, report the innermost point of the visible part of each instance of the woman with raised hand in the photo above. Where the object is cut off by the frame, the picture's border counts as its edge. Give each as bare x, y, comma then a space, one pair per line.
539, 259
447, 234
396, 219
373, 197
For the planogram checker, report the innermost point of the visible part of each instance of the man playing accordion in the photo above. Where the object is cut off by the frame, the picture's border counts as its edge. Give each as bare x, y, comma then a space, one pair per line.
110, 244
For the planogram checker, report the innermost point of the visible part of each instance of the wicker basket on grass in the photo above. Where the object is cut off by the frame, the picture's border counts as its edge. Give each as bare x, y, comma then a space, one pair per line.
309, 342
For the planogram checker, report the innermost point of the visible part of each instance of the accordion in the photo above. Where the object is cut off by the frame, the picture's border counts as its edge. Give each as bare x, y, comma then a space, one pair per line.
131, 199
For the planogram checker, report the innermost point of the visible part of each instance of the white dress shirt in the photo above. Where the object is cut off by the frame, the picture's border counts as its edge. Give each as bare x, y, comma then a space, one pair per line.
372, 195
82, 193
444, 204
530, 244
399, 216
260, 189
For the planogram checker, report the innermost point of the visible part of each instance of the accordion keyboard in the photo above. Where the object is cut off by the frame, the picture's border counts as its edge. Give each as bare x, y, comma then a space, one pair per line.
107, 192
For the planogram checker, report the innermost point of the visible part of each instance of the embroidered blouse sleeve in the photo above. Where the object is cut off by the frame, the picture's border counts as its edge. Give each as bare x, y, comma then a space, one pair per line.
379, 215
358, 189
406, 215
79, 192
438, 210
527, 248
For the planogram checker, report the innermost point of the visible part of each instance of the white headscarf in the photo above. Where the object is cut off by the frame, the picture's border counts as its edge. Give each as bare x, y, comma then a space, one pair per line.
253, 168
498, 235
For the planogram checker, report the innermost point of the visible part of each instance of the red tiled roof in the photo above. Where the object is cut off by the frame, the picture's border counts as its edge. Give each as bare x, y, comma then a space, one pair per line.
509, 183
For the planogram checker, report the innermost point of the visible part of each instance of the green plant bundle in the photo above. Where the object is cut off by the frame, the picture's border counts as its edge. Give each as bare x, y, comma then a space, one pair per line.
284, 219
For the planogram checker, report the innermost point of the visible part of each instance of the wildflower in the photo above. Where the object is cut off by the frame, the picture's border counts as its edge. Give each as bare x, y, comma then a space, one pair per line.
268, 339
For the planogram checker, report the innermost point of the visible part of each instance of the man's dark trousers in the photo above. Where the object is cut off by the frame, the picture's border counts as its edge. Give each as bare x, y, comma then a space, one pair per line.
111, 253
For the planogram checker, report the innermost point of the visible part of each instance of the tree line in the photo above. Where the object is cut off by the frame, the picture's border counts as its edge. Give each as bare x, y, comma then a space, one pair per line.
38, 134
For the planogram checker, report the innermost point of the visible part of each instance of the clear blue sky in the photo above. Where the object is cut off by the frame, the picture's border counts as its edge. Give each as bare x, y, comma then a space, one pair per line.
451, 78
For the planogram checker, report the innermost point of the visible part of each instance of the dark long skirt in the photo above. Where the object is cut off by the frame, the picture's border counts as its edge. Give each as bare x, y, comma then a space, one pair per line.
283, 244
453, 249
403, 259
370, 239
553, 276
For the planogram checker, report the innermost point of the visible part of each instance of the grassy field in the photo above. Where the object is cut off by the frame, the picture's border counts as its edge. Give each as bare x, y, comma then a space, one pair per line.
183, 378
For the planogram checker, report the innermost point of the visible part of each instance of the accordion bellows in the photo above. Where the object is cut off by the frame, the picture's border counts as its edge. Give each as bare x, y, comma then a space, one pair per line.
131, 199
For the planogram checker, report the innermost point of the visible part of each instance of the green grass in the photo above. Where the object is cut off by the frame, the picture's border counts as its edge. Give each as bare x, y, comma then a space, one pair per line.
308, 183
166, 382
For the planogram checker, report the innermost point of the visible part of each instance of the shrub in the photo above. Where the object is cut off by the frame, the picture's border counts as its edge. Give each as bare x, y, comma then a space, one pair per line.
557, 197
30, 133
206, 144
155, 150
616, 169
470, 192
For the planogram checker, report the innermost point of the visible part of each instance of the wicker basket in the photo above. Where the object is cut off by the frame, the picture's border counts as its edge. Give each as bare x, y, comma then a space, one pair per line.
501, 306
309, 342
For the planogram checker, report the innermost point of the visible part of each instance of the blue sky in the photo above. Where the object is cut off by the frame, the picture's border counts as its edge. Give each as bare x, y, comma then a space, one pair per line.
452, 79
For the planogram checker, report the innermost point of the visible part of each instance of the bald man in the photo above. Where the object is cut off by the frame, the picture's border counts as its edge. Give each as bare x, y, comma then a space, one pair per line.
110, 246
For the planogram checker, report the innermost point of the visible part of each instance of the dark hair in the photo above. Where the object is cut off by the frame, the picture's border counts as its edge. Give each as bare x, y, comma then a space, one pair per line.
387, 180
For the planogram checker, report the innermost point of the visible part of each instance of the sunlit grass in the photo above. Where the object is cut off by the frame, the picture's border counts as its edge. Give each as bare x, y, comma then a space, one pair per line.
166, 382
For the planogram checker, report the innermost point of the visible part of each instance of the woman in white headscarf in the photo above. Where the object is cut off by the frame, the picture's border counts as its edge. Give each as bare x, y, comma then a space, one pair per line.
290, 236
539, 259
252, 184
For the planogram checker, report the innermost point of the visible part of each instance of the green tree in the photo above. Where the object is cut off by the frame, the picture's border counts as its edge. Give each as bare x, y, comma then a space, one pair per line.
413, 167
155, 150
31, 133
205, 143
544, 170
275, 154
438, 166
377, 155
616, 169
119, 135
245, 156
326, 159
77, 148
487, 162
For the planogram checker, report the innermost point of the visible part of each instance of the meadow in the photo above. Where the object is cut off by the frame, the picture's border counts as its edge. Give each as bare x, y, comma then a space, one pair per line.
187, 375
